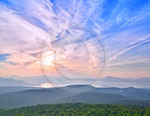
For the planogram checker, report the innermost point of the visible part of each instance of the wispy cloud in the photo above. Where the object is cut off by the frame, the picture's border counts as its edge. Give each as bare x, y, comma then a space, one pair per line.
80, 30
130, 47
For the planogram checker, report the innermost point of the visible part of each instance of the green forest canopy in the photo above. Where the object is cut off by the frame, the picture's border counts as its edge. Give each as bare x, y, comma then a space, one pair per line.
77, 109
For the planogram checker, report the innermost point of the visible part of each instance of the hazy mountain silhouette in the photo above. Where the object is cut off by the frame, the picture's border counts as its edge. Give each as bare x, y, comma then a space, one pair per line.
10, 89
75, 93
13, 82
108, 81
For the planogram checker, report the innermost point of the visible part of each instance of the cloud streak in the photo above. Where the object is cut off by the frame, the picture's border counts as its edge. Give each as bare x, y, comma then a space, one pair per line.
87, 31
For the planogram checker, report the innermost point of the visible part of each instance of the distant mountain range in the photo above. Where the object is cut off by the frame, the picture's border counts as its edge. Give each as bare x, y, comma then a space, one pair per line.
99, 82
76, 94
13, 82
126, 82
10, 89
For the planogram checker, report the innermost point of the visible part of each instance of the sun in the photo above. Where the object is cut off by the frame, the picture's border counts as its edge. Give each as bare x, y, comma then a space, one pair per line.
48, 59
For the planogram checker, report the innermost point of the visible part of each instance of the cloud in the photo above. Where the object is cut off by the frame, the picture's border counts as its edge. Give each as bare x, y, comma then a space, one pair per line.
130, 62
134, 45
86, 30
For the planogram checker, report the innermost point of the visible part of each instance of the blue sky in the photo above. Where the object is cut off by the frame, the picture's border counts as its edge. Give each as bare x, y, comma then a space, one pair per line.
3, 57
109, 37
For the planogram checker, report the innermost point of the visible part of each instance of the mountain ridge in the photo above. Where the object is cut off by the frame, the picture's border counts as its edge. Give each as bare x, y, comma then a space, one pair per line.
13, 82
75, 94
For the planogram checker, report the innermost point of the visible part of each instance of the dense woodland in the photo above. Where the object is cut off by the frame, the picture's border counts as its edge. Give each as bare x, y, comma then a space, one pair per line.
77, 109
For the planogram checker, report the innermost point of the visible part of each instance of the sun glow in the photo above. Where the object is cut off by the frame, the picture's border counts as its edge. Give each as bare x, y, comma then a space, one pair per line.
46, 85
48, 59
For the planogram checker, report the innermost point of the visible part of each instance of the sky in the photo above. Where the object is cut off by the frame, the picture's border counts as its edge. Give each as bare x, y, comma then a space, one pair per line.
75, 38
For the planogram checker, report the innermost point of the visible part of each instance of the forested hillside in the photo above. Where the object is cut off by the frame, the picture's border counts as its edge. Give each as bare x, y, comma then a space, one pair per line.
78, 110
